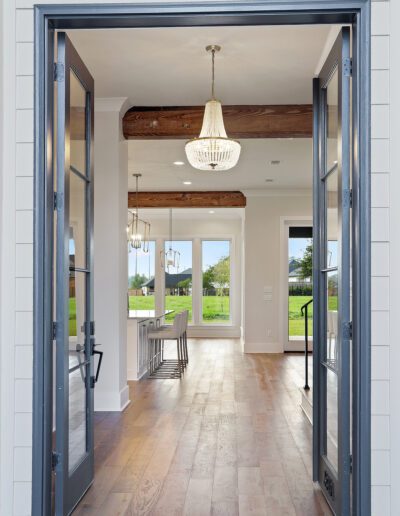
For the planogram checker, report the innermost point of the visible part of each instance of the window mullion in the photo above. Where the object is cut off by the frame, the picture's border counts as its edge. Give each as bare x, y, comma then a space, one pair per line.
196, 282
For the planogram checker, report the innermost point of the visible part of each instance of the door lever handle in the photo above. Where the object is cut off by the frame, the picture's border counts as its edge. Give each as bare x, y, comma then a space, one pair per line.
93, 345
100, 353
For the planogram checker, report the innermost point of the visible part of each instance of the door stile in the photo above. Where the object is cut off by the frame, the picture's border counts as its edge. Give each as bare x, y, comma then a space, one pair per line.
317, 294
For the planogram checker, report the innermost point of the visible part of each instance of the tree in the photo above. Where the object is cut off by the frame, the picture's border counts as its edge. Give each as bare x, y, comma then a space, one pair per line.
137, 281
306, 263
222, 276
208, 278
185, 284
222, 273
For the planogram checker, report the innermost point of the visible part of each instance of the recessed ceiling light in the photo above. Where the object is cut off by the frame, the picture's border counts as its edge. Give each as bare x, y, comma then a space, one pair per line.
269, 180
179, 163
274, 162
211, 212
187, 182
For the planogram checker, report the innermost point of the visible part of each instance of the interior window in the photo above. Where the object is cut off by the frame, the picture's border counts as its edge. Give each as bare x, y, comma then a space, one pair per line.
216, 269
141, 281
178, 277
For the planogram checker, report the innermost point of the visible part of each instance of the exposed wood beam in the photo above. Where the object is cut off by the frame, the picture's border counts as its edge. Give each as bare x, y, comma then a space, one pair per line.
280, 121
187, 200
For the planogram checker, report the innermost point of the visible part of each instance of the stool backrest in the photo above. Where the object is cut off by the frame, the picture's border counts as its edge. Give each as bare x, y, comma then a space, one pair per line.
177, 322
185, 319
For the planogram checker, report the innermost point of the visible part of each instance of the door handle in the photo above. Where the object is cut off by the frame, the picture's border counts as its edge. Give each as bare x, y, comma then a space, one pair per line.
94, 379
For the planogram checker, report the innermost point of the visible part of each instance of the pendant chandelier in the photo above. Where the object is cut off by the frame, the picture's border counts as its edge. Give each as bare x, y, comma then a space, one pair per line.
170, 258
213, 150
138, 231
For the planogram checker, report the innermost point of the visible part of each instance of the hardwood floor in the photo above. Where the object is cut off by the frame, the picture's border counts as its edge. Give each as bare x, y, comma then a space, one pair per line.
228, 439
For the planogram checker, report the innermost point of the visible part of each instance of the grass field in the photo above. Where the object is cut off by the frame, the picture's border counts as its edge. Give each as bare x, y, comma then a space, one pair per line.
215, 310
72, 316
296, 320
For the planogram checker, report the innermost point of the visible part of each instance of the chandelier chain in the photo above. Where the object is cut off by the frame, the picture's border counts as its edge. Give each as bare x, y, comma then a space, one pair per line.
170, 228
213, 74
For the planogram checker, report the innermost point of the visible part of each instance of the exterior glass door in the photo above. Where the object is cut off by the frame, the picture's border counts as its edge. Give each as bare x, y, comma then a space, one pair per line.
332, 323
73, 284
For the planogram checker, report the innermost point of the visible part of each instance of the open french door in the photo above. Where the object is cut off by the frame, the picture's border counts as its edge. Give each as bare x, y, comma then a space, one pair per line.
74, 329
332, 272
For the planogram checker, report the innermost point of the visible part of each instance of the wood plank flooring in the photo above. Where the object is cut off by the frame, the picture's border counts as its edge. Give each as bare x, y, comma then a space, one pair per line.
228, 439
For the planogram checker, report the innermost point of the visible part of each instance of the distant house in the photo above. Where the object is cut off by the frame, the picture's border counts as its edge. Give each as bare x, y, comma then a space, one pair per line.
175, 284
295, 275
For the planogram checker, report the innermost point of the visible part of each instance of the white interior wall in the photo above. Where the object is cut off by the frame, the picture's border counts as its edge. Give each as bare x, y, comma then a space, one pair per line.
110, 256
17, 265
262, 332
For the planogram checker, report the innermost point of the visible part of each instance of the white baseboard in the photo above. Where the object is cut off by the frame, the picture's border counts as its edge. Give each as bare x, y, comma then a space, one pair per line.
132, 375
116, 401
262, 347
297, 345
211, 332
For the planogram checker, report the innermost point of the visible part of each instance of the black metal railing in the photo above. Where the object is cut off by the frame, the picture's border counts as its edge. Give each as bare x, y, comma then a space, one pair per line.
304, 312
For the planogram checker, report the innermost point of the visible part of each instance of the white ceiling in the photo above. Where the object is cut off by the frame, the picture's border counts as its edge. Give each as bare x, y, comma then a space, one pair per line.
169, 66
154, 159
184, 214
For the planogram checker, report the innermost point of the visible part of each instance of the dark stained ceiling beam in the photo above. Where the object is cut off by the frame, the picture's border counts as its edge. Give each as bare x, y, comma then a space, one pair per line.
187, 200
276, 121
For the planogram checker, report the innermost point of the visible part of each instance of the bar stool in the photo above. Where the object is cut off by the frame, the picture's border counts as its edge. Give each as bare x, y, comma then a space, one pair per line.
159, 367
185, 320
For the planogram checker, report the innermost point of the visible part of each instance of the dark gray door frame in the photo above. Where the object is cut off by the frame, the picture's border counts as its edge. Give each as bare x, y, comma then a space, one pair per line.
49, 18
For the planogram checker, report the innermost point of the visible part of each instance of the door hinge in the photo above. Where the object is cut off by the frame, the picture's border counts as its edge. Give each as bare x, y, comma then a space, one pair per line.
348, 198
54, 330
55, 200
347, 67
58, 72
348, 330
89, 328
55, 460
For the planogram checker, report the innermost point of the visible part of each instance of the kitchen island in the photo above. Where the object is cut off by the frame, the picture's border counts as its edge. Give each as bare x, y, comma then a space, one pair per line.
137, 347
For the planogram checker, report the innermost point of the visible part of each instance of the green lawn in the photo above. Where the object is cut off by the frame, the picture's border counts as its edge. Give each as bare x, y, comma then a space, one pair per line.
72, 317
215, 308
296, 320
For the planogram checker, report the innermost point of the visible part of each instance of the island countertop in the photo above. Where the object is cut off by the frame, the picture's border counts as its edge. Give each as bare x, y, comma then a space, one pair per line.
144, 315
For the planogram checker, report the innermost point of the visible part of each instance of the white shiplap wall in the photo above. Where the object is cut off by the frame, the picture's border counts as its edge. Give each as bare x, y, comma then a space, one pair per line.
380, 248
16, 259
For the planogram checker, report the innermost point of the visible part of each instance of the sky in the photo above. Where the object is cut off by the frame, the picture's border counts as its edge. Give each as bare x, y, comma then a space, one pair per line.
297, 246
213, 250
